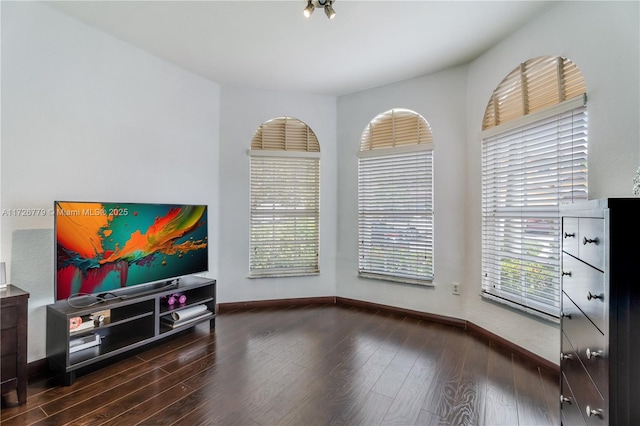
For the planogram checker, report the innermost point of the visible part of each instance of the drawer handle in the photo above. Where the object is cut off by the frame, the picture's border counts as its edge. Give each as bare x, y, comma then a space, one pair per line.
567, 316
564, 399
593, 412
572, 235
593, 354
566, 273
586, 241
565, 356
591, 296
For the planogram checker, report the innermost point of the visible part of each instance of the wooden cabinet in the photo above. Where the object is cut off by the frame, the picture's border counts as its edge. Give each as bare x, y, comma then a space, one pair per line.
600, 380
120, 324
13, 341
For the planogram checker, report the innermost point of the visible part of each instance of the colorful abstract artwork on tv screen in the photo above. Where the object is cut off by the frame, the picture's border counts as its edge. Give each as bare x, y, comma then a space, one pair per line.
103, 247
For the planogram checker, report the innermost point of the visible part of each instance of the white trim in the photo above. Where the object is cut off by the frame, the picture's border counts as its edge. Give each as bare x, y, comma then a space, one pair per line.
521, 308
290, 154
380, 152
282, 274
381, 277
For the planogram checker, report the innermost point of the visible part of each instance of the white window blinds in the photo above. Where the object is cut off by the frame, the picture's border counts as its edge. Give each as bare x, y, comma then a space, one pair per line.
285, 200
395, 199
528, 170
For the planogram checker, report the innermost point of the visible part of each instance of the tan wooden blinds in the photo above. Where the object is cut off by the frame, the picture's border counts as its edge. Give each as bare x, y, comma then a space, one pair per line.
532, 86
395, 128
285, 134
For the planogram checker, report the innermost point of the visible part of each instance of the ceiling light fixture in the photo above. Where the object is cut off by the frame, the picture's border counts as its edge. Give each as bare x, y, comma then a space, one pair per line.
326, 4
308, 11
328, 9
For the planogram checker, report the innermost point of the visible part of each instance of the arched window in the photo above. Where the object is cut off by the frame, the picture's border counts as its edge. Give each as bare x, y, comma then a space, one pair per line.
395, 198
534, 85
534, 158
285, 199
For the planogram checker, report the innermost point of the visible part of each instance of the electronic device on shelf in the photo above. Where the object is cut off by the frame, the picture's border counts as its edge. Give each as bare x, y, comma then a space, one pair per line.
104, 250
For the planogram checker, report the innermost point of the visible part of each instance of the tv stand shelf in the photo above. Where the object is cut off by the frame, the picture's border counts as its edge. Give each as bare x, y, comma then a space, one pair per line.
130, 322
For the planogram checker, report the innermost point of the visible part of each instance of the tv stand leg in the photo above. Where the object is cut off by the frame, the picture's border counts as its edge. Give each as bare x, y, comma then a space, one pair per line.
212, 323
68, 378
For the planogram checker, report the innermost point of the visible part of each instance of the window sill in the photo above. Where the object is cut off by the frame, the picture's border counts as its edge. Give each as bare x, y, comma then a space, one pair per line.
284, 275
504, 303
398, 280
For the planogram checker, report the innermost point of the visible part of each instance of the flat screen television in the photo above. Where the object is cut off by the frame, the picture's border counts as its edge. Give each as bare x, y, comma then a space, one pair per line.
108, 247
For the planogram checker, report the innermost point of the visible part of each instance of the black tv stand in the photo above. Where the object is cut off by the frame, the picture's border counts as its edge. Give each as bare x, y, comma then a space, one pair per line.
130, 321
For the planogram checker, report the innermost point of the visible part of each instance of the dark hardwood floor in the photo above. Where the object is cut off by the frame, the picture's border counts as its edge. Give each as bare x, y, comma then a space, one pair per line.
310, 365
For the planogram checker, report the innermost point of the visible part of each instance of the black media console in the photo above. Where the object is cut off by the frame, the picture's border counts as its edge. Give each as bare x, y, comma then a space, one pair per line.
120, 324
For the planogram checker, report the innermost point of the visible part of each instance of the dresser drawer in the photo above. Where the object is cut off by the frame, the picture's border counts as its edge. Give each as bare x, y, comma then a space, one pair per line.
590, 346
8, 317
586, 396
570, 235
571, 412
585, 286
591, 240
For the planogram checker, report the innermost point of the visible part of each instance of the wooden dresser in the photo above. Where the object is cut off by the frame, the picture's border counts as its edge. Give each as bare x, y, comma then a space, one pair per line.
13, 340
600, 347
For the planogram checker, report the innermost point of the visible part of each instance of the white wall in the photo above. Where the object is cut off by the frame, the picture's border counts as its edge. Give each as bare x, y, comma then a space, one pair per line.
602, 38
88, 117
441, 99
243, 111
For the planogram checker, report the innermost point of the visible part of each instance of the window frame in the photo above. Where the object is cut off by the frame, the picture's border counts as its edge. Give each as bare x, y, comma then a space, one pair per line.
284, 200
405, 253
491, 288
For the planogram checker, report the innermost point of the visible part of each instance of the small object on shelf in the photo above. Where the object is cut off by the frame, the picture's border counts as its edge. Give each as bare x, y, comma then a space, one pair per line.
176, 298
78, 324
188, 313
186, 316
100, 317
81, 343
172, 323
74, 322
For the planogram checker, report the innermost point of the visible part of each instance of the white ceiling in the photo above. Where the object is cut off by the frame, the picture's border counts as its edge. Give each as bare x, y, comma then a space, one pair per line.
271, 45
